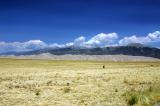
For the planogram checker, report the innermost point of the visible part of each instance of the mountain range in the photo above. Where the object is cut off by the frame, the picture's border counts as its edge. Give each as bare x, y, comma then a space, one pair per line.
134, 49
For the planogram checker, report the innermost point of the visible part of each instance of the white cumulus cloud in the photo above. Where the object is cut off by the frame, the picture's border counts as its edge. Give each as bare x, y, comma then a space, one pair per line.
134, 39
152, 39
155, 36
102, 39
22, 46
80, 41
34, 44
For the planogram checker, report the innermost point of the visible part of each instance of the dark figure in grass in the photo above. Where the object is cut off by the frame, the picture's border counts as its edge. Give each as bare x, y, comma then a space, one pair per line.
103, 66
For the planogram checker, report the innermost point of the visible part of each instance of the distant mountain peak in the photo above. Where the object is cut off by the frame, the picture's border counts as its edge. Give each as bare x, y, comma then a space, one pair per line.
136, 45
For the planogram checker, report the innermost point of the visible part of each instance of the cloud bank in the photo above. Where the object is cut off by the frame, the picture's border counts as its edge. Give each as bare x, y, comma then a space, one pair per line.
150, 39
99, 40
22, 46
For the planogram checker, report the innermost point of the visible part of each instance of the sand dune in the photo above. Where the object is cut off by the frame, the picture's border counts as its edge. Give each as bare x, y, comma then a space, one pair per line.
84, 57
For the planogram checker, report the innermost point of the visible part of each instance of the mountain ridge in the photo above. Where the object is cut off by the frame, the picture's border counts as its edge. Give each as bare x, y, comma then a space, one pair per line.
132, 49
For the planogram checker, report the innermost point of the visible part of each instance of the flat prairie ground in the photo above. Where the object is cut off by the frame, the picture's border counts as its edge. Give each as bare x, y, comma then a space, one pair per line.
78, 83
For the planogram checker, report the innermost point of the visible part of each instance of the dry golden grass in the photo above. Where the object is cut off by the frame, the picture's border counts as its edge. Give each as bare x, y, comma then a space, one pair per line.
78, 83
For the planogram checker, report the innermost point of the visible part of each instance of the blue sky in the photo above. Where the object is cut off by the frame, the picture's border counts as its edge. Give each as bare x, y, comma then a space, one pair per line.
62, 21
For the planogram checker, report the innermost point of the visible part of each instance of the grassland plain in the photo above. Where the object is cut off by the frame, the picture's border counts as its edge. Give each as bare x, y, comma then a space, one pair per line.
25, 82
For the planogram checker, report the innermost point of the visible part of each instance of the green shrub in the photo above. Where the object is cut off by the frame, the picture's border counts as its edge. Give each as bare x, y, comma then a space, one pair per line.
67, 89
37, 92
116, 90
133, 99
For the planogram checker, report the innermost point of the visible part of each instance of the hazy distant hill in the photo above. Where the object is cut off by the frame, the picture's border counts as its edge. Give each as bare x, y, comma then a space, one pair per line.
131, 49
